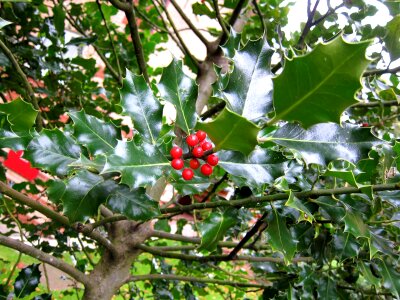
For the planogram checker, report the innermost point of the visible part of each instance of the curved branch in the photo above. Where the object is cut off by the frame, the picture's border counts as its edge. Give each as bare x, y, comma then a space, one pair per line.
219, 17
254, 201
30, 93
375, 103
309, 23
195, 279
188, 257
44, 257
380, 72
21, 198
232, 20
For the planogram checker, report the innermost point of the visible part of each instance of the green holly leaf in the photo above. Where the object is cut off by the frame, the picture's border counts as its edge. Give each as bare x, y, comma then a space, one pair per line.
20, 114
96, 165
365, 269
82, 41
83, 195
213, 228
139, 102
355, 225
55, 191
27, 281
344, 174
98, 136
392, 38
345, 245
201, 9
261, 166
326, 288
59, 19
230, 131
53, 151
232, 44
9, 139
135, 204
297, 204
390, 278
280, 237
251, 71
139, 165
180, 90
319, 86
326, 142
4, 23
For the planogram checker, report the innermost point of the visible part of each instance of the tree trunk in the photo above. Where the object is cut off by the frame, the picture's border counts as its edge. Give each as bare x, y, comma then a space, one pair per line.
113, 271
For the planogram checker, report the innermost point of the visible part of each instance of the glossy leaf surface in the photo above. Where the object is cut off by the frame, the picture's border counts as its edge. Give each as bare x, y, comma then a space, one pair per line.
392, 38
98, 136
139, 165
9, 139
20, 114
230, 131
390, 278
319, 86
53, 151
139, 102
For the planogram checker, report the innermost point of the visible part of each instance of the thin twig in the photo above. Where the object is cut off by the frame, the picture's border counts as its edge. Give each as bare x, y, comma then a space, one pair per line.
309, 23
86, 253
215, 187
219, 18
381, 72
260, 15
375, 103
232, 20
213, 110
330, 11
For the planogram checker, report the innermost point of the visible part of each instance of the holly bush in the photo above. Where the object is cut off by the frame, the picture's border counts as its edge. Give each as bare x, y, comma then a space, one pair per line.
275, 175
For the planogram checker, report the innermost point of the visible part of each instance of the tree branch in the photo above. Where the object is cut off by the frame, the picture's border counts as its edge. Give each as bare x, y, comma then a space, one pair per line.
21, 198
30, 93
375, 103
188, 257
44, 257
232, 20
380, 72
259, 13
124, 6
219, 18
213, 110
190, 24
255, 201
195, 279
309, 23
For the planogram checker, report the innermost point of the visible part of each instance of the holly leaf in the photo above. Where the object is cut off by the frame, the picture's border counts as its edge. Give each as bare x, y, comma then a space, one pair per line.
139, 165
318, 87
9, 139
83, 195
213, 228
139, 102
355, 224
230, 131
82, 41
232, 44
55, 191
390, 278
323, 143
365, 269
20, 114
180, 90
249, 89
135, 204
297, 204
4, 23
53, 151
280, 237
98, 136
345, 245
392, 38
261, 166
27, 281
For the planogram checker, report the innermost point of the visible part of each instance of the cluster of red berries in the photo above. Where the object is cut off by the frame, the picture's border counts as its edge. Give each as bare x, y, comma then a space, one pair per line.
198, 145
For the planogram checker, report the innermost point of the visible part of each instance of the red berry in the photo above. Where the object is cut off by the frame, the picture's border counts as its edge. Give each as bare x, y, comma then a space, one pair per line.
192, 140
364, 125
201, 135
187, 174
194, 163
177, 163
206, 169
176, 152
197, 151
206, 146
212, 160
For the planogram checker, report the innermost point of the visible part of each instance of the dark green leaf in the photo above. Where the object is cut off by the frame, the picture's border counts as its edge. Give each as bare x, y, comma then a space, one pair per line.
84, 193
249, 89
180, 90
83, 40
345, 245
280, 237
53, 151
98, 136
232, 44
139, 165
327, 288
4, 23
297, 204
365, 269
42, 297
355, 224
139, 102
215, 226
27, 281
55, 191
261, 166
202, 9
59, 19
20, 114
323, 143
87, 63
96, 165
135, 204
392, 38
319, 86
13, 141
390, 278
226, 129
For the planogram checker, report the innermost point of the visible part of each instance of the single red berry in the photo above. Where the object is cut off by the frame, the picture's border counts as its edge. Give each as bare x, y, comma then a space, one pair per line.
177, 163
212, 160
192, 140
201, 135
364, 125
187, 174
206, 146
197, 151
206, 169
176, 152
194, 163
